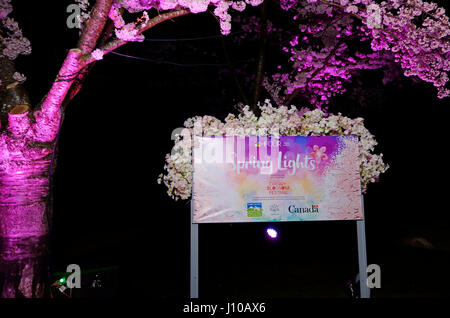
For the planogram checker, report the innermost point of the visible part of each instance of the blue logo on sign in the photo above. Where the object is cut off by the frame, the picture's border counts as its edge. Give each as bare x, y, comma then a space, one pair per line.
254, 209
257, 205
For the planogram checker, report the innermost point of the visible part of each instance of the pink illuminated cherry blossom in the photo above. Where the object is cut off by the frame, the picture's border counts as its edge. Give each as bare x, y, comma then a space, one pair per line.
11, 38
412, 33
97, 54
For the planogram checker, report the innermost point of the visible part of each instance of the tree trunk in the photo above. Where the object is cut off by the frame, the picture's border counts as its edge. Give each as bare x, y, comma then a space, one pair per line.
23, 267
24, 214
24, 192
23, 199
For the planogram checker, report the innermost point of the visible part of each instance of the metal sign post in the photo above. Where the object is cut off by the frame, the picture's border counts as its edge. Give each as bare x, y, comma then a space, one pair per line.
194, 255
362, 256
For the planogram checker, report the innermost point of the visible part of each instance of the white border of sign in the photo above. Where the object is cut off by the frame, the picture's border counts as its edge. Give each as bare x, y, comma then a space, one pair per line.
362, 255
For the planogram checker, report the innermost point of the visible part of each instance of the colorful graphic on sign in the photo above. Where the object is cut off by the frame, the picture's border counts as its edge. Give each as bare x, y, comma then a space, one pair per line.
265, 179
254, 210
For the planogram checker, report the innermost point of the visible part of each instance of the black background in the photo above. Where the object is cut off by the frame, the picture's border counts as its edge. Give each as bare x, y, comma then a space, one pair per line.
109, 210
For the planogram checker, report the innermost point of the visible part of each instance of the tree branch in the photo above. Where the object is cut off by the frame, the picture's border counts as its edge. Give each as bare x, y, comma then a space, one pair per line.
116, 43
233, 72
341, 8
79, 81
261, 59
48, 117
12, 93
94, 26
317, 71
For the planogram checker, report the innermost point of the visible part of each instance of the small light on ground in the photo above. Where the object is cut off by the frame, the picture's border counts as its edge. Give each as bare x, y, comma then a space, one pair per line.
272, 233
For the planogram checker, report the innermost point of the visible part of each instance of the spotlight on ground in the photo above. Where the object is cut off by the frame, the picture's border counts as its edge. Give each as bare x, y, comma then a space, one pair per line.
272, 233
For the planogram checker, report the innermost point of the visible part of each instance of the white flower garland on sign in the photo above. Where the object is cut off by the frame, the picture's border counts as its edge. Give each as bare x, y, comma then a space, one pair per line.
276, 122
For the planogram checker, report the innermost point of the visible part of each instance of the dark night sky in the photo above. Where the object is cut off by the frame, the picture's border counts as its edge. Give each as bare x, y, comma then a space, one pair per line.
109, 210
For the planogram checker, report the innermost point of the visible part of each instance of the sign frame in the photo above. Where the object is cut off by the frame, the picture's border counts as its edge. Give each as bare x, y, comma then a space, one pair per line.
233, 172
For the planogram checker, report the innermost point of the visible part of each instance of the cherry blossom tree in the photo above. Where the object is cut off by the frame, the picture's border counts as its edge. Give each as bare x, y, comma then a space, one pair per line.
28, 132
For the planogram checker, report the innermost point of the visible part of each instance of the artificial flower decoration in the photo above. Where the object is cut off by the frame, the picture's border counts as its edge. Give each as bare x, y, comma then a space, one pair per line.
273, 121
319, 153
